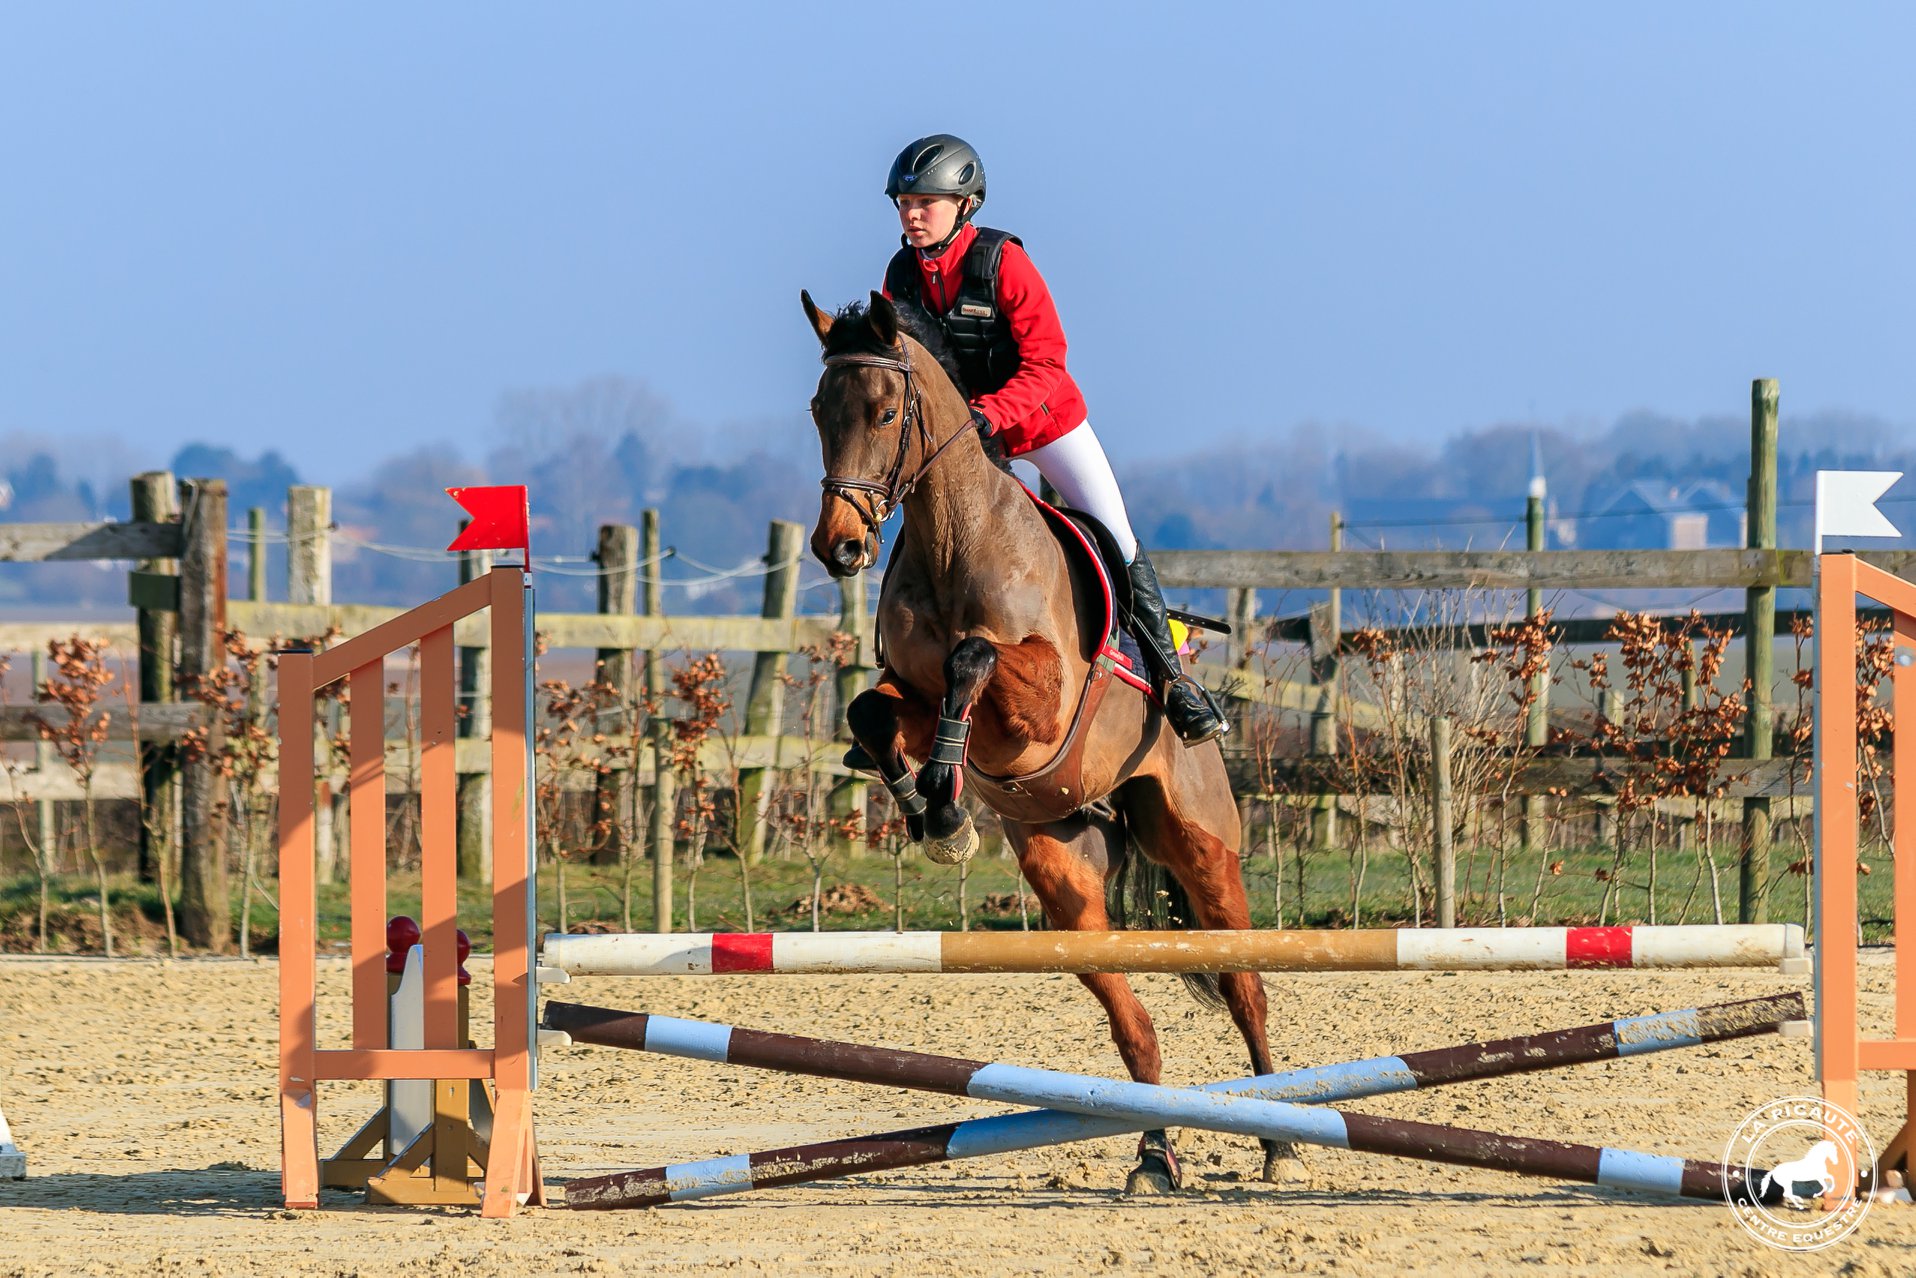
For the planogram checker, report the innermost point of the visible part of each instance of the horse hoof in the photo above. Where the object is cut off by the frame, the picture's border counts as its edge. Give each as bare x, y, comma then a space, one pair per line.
1152, 1175
1157, 1171
1285, 1169
960, 847
1283, 1165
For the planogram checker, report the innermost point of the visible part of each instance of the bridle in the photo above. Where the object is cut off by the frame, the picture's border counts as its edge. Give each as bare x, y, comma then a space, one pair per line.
875, 500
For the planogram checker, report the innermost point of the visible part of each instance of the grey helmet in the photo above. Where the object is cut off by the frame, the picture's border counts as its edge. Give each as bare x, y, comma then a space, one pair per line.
938, 165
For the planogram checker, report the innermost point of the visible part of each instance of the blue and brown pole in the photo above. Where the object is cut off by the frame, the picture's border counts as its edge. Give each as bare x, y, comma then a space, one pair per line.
1080, 1107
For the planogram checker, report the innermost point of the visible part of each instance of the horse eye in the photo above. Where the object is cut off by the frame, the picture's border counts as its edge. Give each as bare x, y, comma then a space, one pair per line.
891, 415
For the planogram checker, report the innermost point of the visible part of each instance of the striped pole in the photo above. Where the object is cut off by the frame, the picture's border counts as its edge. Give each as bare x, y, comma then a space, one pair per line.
1144, 1105
1032, 1129
1778, 945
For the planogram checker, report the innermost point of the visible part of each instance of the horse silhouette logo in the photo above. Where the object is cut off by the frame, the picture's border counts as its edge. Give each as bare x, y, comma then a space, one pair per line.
1806, 1203
1818, 1167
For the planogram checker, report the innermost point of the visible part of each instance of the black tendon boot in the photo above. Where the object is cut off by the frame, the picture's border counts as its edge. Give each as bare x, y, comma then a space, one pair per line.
1194, 713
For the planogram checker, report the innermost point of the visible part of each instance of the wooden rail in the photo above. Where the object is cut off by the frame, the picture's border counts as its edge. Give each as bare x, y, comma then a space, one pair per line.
156, 721
1567, 633
719, 758
119, 780
1206, 569
33, 636
1250, 688
1313, 774
43, 543
1498, 569
561, 629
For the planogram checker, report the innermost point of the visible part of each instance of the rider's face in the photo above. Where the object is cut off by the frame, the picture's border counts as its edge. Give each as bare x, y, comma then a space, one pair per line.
927, 219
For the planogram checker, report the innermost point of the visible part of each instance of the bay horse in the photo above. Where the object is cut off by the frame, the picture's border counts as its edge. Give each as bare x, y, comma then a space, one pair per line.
992, 644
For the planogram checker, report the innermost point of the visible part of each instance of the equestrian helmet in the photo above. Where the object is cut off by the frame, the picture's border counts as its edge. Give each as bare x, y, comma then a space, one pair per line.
938, 165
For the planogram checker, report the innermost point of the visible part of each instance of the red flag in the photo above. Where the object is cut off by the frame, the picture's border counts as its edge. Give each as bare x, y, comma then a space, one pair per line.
501, 519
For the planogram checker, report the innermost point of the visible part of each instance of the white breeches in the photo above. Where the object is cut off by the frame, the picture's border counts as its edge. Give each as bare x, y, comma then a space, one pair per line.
1076, 466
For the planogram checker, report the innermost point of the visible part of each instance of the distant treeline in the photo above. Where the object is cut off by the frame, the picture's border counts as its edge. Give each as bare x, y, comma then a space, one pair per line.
602, 451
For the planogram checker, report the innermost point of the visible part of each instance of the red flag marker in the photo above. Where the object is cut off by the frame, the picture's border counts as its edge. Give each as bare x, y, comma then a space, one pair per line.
501, 519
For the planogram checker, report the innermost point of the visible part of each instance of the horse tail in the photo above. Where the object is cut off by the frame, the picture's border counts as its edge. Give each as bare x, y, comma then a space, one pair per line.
1145, 895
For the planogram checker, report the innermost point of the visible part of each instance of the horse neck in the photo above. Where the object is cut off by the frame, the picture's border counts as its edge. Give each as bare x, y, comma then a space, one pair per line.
967, 518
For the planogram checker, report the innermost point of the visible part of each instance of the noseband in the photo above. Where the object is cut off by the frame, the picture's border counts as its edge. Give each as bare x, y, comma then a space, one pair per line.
875, 500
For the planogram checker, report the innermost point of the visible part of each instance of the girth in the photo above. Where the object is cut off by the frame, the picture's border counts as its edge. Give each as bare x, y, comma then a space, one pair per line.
1056, 790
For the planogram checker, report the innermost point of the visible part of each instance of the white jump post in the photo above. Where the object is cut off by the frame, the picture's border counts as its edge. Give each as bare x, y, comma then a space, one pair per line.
13, 1163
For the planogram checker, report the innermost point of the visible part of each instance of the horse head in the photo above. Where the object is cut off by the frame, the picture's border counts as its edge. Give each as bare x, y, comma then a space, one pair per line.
874, 429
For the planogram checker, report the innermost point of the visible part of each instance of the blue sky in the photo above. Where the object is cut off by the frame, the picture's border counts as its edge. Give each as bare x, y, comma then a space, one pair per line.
344, 230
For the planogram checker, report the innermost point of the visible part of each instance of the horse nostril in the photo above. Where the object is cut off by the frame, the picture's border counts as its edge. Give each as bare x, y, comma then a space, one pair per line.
847, 553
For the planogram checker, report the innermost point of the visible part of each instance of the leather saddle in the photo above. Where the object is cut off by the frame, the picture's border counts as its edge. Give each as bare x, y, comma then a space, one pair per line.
1056, 790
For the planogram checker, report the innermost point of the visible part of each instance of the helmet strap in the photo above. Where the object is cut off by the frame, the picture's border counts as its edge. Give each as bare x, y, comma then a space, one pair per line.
965, 211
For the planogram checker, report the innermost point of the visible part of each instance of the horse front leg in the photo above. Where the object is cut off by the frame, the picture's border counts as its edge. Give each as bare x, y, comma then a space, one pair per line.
887, 719
950, 836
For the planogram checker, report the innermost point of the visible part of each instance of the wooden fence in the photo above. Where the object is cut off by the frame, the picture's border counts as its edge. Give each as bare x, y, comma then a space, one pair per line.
178, 591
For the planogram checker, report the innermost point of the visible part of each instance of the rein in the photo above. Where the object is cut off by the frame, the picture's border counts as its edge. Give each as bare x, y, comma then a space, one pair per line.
875, 500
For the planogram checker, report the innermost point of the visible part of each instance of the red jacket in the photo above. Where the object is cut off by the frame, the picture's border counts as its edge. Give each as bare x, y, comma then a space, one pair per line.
1040, 402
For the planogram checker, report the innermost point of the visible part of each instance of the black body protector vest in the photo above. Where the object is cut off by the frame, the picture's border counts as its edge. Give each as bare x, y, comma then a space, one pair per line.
974, 326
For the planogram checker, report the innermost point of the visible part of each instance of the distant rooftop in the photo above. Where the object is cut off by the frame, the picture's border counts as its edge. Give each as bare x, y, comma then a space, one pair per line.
1652, 514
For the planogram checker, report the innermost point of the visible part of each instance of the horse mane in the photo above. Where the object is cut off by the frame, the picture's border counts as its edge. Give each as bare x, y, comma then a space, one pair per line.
851, 333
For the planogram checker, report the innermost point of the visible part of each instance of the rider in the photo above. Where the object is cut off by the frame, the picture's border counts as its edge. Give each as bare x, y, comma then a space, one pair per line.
997, 314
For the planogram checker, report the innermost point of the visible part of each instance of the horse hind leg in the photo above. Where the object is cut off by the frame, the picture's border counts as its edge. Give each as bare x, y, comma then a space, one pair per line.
1065, 864
950, 836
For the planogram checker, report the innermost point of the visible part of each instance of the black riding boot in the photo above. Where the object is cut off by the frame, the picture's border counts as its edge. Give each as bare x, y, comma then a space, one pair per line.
1194, 713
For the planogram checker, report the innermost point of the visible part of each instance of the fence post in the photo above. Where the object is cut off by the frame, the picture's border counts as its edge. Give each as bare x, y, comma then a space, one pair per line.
256, 698
765, 706
206, 911
1537, 719
1442, 821
618, 557
475, 723
850, 796
661, 816
256, 554
1240, 611
153, 501
1686, 822
1326, 626
1609, 816
309, 545
46, 825
258, 707
309, 580
1753, 880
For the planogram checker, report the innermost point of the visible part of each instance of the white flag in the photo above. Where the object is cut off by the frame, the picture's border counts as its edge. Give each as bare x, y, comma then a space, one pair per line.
1846, 504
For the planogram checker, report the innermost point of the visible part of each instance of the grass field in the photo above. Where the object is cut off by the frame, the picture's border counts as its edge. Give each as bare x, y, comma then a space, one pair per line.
1340, 888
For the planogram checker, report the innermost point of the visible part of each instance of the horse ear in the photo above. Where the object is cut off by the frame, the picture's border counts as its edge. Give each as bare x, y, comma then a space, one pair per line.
884, 319
820, 321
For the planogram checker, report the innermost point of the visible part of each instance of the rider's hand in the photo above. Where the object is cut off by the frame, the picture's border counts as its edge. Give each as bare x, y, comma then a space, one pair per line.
982, 422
